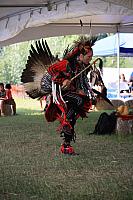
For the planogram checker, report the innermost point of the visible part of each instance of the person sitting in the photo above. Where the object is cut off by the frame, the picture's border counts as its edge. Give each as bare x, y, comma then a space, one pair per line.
9, 99
122, 78
123, 84
2, 99
130, 82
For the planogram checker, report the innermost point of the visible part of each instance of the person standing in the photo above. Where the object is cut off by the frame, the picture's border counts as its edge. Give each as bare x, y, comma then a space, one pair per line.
124, 87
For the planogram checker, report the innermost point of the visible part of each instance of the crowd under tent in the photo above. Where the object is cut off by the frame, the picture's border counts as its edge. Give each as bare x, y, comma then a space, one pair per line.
120, 44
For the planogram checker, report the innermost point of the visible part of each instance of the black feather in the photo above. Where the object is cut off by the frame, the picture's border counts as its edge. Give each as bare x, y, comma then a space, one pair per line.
49, 52
36, 67
100, 64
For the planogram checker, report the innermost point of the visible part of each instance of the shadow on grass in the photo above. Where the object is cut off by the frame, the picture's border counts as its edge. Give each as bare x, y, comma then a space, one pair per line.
31, 166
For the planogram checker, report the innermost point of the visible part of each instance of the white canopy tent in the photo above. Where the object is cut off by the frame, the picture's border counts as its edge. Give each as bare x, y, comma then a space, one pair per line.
120, 44
108, 45
34, 19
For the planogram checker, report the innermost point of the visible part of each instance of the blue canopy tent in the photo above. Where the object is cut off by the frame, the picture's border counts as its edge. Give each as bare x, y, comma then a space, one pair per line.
109, 45
120, 44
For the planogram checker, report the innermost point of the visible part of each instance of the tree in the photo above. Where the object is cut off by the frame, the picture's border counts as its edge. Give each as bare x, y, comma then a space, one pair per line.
13, 61
13, 58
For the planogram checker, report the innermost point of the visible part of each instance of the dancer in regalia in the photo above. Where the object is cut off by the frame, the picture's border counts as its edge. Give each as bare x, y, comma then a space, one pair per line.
64, 82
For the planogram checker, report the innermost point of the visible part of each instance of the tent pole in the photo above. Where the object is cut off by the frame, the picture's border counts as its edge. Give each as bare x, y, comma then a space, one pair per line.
118, 63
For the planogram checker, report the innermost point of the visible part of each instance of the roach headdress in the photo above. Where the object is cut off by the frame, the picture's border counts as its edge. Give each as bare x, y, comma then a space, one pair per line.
78, 47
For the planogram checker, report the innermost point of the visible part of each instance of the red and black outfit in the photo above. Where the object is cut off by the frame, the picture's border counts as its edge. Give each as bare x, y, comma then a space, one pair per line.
69, 104
68, 97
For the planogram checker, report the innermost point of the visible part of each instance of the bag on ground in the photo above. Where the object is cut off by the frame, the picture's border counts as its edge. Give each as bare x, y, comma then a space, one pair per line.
106, 124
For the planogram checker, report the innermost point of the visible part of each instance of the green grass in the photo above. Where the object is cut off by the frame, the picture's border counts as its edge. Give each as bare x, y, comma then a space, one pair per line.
31, 167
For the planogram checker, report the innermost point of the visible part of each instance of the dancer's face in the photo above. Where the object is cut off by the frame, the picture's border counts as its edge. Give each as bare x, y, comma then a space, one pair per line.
88, 55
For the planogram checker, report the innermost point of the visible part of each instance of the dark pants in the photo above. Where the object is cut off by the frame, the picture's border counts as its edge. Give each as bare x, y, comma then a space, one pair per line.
74, 104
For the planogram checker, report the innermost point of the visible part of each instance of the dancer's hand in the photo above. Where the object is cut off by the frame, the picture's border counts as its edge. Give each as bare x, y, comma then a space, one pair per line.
66, 84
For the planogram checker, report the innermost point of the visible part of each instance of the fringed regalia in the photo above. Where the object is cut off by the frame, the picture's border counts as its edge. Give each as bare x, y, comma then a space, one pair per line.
45, 76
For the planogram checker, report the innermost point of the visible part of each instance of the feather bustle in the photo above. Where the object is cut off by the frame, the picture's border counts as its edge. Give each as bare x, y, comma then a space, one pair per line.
36, 67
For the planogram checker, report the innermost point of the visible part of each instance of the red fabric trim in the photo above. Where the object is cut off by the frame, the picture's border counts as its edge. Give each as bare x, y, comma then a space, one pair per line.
58, 67
67, 150
126, 117
56, 70
52, 112
57, 112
